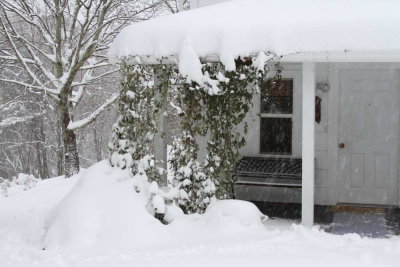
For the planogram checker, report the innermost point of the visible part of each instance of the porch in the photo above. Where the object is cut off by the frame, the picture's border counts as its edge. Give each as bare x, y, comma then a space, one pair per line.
370, 221
190, 40
334, 173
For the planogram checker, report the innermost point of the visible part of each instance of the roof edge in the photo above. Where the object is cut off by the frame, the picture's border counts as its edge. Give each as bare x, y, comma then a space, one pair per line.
338, 56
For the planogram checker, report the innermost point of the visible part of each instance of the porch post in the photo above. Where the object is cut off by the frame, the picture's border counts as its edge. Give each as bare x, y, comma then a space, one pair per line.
160, 143
307, 205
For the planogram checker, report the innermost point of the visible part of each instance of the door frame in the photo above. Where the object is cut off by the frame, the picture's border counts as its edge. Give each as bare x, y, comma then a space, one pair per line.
334, 123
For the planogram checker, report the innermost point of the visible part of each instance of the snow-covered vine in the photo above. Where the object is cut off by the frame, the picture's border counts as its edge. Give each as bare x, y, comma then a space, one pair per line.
223, 112
132, 145
133, 134
213, 104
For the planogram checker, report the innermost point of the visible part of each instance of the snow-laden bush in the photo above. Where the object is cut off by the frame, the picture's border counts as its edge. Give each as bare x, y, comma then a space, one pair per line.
20, 182
195, 189
4, 186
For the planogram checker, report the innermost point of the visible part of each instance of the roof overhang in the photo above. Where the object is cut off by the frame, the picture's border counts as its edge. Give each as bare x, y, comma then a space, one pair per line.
307, 27
344, 56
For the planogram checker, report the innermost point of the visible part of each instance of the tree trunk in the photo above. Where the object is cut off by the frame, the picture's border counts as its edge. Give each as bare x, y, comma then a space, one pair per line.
41, 148
97, 144
71, 157
59, 150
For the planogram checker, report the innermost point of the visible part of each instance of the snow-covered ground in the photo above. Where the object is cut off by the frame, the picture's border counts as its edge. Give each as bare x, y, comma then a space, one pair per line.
97, 219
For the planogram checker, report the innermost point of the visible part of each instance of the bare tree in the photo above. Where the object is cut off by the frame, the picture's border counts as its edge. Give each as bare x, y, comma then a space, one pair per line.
175, 6
60, 45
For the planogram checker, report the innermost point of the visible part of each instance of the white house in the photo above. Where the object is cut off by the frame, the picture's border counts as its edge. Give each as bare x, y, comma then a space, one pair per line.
346, 52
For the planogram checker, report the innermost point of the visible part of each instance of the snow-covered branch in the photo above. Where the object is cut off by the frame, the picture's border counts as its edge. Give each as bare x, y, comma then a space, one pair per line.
12, 58
73, 125
13, 120
95, 66
47, 90
89, 79
5, 29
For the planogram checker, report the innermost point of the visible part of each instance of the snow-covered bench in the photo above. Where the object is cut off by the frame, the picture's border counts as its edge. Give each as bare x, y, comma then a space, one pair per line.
271, 172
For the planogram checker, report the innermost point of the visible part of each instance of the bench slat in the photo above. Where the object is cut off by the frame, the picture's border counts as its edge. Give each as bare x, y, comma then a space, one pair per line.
268, 184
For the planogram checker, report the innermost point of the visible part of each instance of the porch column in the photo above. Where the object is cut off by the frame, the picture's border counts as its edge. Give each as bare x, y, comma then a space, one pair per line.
307, 202
160, 139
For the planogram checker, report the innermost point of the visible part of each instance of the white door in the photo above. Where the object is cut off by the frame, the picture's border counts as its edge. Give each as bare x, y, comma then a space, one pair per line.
369, 136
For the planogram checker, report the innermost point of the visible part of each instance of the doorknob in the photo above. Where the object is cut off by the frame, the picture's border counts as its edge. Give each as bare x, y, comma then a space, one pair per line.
342, 145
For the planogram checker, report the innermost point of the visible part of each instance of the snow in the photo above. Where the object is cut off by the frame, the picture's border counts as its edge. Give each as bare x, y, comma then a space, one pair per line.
96, 218
189, 64
243, 27
261, 59
104, 209
234, 213
21, 182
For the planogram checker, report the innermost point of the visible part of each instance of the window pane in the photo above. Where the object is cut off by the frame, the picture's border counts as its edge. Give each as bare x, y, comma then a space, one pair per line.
277, 96
276, 135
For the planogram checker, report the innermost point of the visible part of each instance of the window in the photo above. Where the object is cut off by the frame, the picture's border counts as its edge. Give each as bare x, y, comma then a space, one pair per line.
276, 117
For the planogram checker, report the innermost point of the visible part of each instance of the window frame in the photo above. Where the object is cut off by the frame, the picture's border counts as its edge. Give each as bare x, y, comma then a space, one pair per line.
280, 115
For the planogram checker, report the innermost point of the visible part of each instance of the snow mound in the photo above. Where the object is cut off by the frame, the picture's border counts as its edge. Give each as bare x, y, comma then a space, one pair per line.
223, 218
234, 212
102, 210
21, 182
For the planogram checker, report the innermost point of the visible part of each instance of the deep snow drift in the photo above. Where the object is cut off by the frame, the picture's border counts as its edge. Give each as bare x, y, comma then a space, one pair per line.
102, 209
97, 219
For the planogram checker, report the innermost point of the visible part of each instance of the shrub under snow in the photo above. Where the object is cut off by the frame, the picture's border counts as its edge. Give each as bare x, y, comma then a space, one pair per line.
18, 183
104, 210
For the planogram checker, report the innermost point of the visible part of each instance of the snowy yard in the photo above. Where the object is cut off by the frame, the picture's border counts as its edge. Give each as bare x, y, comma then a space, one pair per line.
322, 128
101, 221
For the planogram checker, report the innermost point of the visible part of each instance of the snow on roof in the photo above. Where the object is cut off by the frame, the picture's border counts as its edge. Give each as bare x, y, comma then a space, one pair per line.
283, 27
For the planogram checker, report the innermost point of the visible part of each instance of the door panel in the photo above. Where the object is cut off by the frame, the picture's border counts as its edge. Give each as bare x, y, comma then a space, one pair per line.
369, 128
357, 170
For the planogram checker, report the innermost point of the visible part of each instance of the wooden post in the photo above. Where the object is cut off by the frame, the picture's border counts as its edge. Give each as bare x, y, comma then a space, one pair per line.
307, 205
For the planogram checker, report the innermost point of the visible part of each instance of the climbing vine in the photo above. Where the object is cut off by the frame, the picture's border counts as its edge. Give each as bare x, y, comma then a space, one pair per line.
140, 106
195, 189
215, 109
225, 115
219, 116
133, 134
